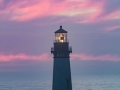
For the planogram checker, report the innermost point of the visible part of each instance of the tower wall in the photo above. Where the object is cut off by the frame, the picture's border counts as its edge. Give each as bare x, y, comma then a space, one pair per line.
62, 74
61, 69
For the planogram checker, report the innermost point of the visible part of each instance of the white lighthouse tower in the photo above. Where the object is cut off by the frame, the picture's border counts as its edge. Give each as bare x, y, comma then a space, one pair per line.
61, 68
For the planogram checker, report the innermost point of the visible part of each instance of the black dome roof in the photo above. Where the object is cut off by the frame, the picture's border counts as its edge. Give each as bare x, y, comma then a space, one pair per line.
61, 30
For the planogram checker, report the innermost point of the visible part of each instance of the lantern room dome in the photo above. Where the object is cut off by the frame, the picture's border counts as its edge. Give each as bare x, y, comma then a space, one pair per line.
61, 30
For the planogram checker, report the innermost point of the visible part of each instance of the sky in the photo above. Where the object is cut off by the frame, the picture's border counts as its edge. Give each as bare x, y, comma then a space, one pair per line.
27, 33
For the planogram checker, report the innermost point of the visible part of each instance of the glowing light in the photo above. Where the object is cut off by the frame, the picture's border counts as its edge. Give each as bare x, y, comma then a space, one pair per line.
61, 38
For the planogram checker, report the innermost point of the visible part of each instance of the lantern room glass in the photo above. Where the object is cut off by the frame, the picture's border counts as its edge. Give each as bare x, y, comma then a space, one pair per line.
61, 37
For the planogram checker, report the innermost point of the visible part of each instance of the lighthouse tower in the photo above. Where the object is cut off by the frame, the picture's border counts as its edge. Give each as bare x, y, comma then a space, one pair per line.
61, 68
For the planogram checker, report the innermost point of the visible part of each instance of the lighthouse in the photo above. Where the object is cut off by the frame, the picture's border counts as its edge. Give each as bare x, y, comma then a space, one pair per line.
61, 67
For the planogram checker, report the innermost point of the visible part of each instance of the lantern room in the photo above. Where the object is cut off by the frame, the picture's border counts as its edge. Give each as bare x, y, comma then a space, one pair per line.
61, 36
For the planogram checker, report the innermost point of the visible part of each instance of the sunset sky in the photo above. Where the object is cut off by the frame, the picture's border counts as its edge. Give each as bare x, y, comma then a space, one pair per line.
27, 32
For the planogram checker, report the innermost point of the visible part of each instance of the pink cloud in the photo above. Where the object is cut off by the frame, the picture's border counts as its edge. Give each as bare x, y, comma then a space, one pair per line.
23, 10
1, 1
26, 10
92, 57
47, 57
112, 28
84, 11
115, 15
42, 57
79, 11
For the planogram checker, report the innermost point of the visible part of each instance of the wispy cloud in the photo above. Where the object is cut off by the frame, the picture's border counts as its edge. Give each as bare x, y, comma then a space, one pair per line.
23, 10
92, 57
11, 57
80, 11
84, 11
110, 28
115, 15
1, 1
47, 57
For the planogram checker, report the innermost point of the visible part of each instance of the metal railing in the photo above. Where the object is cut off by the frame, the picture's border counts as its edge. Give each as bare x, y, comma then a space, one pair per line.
70, 49
52, 48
